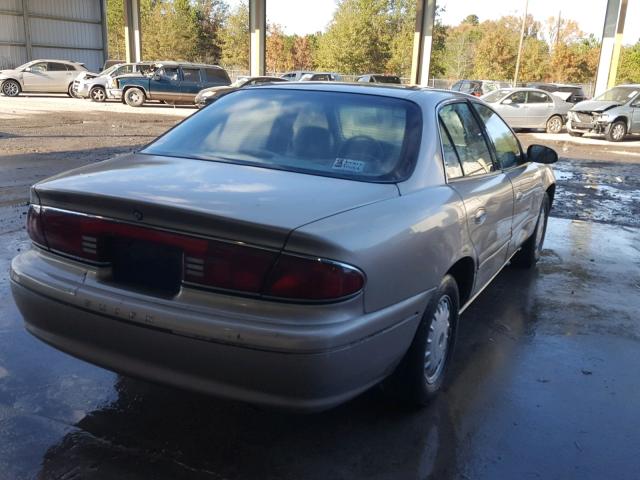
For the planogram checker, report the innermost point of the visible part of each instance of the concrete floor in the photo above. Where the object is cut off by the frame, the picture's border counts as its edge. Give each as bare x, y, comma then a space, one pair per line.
545, 381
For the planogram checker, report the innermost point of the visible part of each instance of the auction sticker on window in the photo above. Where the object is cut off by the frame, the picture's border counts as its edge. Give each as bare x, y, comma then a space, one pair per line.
348, 165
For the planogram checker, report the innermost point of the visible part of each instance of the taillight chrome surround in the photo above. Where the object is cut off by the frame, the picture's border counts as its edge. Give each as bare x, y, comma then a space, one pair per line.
270, 274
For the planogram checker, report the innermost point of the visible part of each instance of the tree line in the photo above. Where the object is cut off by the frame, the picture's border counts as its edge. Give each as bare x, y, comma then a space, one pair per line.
370, 36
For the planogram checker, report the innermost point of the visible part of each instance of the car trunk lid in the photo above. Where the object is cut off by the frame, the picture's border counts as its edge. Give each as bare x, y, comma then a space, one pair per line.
214, 199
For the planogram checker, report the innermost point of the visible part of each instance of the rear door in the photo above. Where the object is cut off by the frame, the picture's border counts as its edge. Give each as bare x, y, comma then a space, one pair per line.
61, 76
539, 108
190, 85
525, 177
486, 191
635, 116
514, 109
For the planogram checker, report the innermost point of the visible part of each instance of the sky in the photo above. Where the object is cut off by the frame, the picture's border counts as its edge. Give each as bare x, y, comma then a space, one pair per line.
309, 16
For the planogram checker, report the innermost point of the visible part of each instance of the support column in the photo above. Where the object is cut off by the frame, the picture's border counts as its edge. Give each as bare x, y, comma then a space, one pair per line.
257, 33
132, 34
27, 29
103, 30
422, 41
611, 45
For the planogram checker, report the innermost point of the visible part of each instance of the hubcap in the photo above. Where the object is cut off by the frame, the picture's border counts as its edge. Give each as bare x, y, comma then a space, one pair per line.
555, 125
134, 97
98, 95
10, 88
618, 132
435, 355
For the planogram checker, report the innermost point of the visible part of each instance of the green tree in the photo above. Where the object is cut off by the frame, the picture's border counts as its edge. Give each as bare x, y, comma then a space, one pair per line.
629, 69
402, 24
235, 38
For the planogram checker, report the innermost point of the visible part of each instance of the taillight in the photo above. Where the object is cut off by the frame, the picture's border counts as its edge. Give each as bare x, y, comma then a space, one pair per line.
305, 278
34, 225
206, 263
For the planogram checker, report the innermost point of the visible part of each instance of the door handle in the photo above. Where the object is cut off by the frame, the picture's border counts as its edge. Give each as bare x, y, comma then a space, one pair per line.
480, 216
518, 196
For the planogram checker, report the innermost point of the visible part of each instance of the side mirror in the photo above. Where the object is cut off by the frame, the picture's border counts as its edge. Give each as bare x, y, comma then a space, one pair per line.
28, 69
507, 101
541, 154
156, 77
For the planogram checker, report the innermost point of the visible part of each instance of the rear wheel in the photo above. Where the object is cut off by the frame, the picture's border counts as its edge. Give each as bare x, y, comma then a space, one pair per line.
11, 88
554, 124
97, 94
531, 250
617, 131
422, 372
134, 97
70, 91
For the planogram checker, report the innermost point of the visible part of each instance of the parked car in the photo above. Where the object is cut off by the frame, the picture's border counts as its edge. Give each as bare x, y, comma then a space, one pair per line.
41, 76
211, 94
477, 88
569, 93
614, 114
170, 82
529, 108
377, 78
290, 245
320, 77
294, 76
95, 85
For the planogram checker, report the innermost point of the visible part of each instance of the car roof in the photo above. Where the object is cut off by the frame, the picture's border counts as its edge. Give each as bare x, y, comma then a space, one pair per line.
428, 95
185, 64
69, 62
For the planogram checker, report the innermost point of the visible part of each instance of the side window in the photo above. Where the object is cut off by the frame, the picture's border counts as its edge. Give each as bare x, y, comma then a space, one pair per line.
191, 75
123, 70
39, 67
518, 97
217, 75
506, 144
170, 74
538, 97
56, 67
451, 161
467, 138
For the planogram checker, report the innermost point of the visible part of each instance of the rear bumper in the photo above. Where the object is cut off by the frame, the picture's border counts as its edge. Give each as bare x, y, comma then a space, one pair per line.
311, 369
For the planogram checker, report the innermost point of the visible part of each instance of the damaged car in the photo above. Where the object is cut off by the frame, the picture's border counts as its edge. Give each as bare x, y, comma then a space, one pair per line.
614, 114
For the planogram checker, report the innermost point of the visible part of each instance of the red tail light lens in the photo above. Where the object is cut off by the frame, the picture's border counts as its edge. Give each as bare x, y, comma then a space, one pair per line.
312, 279
206, 263
34, 225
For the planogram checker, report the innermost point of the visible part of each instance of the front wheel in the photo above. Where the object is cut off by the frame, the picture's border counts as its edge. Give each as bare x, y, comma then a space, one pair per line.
617, 131
11, 88
554, 124
97, 94
70, 91
531, 250
134, 97
422, 372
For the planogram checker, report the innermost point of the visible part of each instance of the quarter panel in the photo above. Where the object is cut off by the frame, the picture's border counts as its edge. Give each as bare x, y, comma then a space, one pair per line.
404, 245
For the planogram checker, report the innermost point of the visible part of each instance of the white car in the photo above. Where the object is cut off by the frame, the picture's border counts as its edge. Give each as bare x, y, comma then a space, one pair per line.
42, 76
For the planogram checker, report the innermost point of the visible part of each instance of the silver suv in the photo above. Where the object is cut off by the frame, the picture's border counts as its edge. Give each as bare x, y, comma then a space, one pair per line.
43, 76
615, 113
95, 85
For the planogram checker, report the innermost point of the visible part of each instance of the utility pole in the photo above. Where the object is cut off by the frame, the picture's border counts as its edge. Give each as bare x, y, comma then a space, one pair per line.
558, 28
524, 23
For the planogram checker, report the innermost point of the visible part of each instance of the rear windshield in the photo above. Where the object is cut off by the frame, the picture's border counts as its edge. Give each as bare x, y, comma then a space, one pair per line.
386, 79
355, 136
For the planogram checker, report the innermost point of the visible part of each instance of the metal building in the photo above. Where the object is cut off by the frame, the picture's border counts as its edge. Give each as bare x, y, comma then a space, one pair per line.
54, 29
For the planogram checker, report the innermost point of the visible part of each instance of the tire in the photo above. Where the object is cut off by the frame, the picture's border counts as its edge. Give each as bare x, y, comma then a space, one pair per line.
70, 91
134, 97
575, 134
529, 253
97, 94
11, 88
617, 131
413, 382
554, 124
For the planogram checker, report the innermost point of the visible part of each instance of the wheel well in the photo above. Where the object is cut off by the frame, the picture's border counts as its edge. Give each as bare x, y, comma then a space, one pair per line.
463, 271
623, 118
14, 79
129, 87
551, 191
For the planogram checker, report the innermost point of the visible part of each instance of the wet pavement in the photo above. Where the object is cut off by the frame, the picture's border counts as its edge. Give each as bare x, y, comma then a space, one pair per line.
545, 380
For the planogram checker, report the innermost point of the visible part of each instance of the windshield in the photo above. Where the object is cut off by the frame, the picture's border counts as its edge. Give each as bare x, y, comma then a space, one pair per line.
619, 94
110, 69
355, 136
495, 96
239, 82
